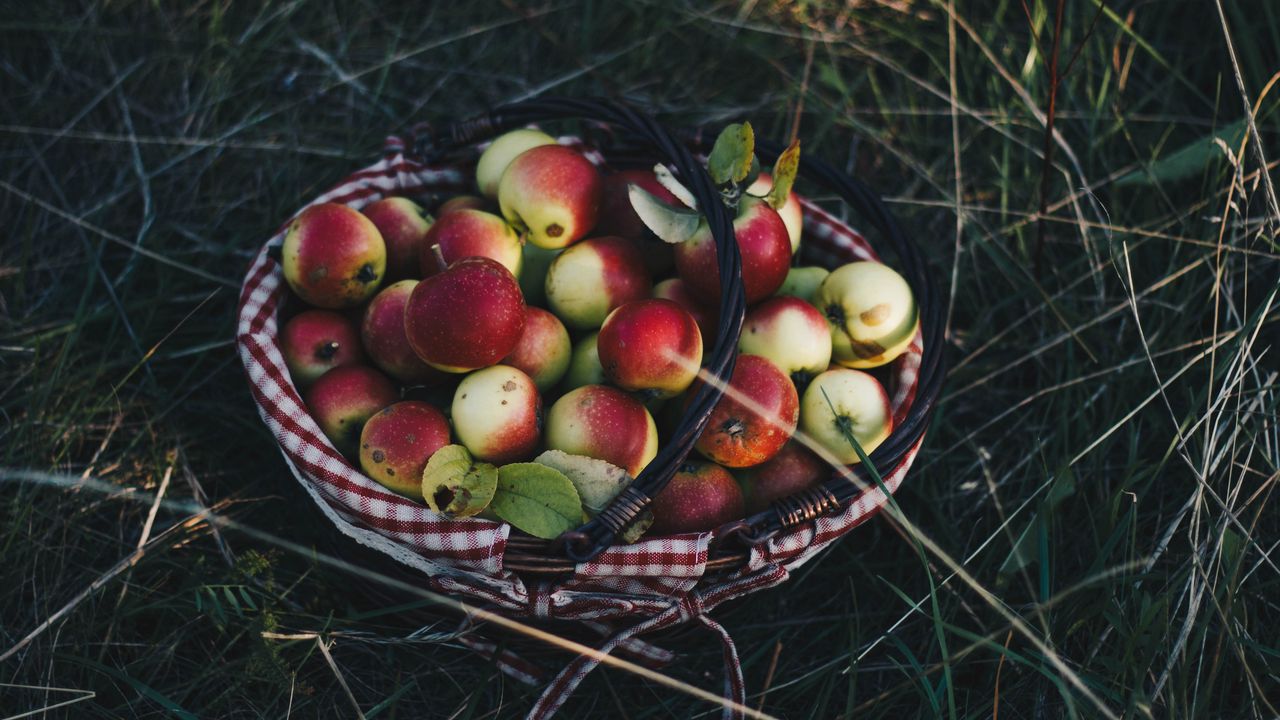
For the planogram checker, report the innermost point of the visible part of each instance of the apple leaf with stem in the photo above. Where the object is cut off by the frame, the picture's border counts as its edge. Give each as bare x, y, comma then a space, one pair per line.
730, 160
454, 485
598, 482
537, 499
671, 224
784, 175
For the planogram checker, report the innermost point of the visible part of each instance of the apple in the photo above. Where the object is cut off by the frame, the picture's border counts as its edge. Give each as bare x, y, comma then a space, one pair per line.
463, 202
604, 423
551, 194
344, 398
467, 317
470, 233
871, 312
497, 414
333, 256
533, 273
618, 217
861, 406
592, 278
505, 148
383, 333
313, 342
650, 346
803, 282
791, 334
403, 224
754, 418
793, 469
707, 317
791, 213
543, 350
766, 254
397, 442
584, 364
700, 497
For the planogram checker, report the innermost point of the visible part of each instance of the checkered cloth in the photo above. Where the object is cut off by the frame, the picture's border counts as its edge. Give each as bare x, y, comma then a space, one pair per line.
625, 592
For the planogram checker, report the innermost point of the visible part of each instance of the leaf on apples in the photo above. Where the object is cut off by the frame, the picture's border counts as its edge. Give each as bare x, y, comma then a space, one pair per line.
536, 499
456, 486
596, 481
669, 181
784, 174
672, 225
730, 158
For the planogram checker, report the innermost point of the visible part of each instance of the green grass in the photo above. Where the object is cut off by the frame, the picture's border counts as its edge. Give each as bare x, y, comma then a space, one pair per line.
1102, 463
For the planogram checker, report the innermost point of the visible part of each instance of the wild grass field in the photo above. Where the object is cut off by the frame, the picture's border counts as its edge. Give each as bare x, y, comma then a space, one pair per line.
1092, 180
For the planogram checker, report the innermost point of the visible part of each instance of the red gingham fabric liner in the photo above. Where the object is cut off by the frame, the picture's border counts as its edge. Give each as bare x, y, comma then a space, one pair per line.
657, 581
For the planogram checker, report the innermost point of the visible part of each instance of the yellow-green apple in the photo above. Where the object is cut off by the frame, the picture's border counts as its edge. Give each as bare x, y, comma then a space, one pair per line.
397, 442
618, 217
754, 418
403, 224
544, 349
793, 469
584, 364
463, 202
650, 346
604, 423
497, 414
470, 233
505, 148
700, 497
791, 334
803, 282
592, 278
533, 273
551, 194
467, 317
790, 212
707, 317
383, 333
766, 254
314, 342
845, 400
344, 398
871, 312
333, 256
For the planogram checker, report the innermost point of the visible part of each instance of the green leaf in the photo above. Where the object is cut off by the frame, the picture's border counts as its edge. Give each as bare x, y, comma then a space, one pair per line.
536, 499
596, 481
671, 224
456, 486
730, 158
784, 174
1189, 159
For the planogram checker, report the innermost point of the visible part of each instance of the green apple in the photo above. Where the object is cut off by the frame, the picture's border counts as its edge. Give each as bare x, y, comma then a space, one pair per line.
803, 282
843, 400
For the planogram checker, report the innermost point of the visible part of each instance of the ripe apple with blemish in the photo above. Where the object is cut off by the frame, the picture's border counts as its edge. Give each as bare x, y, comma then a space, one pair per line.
505, 148
604, 423
551, 194
403, 224
871, 312
470, 233
845, 400
544, 350
333, 256
383, 333
344, 398
650, 346
397, 442
793, 469
314, 342
590, 279
700, 497
791, 334
791, 213
469, 316
497, 414
763, 243
675, 290
754, 418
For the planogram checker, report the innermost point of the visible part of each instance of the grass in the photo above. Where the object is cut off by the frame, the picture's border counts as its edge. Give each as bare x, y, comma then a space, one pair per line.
1102, 465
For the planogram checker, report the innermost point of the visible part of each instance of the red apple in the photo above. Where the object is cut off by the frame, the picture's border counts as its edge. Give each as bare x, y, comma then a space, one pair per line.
766, 254
707, 317
497, 413
333, 256
552, 194
791, 334
467, 317
383, 333
755, 417
604, 423
700, 497
544, 349
314, 342
402, 224
397, 442
506, 147
462, 202
791, 213
651, 346
793, 469
589, 280
344, 398
470, 233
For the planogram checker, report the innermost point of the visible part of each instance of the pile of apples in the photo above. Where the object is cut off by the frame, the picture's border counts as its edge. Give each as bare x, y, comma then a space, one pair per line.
508, 357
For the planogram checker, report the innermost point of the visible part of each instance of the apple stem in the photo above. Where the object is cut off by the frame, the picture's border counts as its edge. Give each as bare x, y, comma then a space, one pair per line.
439, 256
